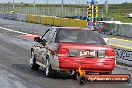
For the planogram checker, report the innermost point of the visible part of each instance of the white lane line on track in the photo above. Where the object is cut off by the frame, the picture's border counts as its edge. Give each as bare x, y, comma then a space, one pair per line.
13, 31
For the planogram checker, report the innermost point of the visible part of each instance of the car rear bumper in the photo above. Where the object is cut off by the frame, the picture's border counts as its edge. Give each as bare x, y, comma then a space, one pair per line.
87, 64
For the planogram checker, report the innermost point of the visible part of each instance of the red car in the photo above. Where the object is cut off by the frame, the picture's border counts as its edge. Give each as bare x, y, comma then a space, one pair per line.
67, 49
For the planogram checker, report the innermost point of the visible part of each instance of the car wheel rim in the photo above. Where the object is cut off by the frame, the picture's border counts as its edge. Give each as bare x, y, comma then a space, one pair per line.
47, 68
31, 59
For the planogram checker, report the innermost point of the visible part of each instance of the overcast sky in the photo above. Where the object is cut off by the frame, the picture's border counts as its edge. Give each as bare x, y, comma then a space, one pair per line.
66, 1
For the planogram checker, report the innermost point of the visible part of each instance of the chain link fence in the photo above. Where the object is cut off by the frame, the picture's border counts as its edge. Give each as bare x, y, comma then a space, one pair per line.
48, 10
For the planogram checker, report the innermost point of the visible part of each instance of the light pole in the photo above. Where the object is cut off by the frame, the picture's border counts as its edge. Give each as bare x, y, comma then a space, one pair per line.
34, 3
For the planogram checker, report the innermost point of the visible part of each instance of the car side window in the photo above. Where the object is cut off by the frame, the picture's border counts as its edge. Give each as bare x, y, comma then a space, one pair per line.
45, 33
45, 36
50, 35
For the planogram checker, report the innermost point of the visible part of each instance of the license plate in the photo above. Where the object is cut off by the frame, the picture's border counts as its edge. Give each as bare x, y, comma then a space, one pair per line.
87, 53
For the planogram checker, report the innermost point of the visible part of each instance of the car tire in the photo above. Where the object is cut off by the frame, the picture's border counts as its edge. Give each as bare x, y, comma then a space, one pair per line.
33, 64
74, 76
49, 72
81, 80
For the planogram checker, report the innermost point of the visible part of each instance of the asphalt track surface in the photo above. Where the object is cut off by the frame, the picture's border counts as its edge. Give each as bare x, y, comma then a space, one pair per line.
15, 71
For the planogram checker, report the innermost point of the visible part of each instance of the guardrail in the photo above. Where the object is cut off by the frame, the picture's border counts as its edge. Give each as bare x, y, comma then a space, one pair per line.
110, 28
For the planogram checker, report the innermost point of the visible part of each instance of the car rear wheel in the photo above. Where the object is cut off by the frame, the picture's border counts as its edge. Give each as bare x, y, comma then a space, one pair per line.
33, 64
49, 72
81, 80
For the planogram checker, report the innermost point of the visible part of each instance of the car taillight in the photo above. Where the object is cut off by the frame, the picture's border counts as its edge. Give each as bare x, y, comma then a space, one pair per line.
63, 52
110, 54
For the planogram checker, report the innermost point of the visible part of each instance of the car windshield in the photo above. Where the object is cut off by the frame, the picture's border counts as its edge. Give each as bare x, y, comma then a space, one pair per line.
80, 36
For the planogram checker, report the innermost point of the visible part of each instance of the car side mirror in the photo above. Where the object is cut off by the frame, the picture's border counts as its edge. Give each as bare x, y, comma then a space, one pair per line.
43, 42
37, 39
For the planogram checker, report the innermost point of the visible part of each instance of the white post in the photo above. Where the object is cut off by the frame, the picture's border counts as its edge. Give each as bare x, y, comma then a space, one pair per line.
106, 6
13, 6
102, 14
34, 3
62, 8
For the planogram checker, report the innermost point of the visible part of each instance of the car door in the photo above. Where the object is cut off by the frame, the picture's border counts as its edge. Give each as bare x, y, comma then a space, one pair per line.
39, 46
36, 51
50, 37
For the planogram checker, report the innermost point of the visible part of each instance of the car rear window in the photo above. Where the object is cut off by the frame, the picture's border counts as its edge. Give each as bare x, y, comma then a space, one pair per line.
79, 36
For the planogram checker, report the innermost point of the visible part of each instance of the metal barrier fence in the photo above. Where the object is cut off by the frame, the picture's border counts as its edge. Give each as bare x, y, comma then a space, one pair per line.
46, 10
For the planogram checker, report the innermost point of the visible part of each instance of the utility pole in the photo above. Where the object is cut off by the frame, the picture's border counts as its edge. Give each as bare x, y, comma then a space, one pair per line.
34, 3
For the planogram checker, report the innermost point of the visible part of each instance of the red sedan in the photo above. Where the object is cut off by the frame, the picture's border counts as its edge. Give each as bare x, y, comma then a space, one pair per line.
67, 49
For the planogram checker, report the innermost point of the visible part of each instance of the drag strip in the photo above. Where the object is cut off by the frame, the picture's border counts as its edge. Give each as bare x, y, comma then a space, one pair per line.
8, 80
14, 62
